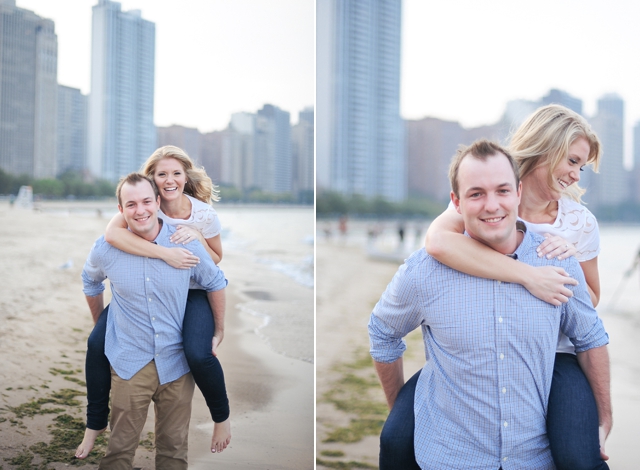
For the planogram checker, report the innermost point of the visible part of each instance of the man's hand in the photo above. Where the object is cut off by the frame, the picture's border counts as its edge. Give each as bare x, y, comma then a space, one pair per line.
215, 342
391, 378
604, 433
548, 283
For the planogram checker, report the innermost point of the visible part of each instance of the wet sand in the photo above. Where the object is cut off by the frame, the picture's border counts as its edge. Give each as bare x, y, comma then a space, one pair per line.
44, 324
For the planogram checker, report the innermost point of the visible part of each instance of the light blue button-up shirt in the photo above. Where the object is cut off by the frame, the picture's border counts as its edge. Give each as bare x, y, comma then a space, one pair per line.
147, 305
481, 398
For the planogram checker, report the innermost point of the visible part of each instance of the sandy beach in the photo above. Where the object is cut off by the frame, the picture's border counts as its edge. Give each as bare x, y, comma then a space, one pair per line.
44, 324
347, 290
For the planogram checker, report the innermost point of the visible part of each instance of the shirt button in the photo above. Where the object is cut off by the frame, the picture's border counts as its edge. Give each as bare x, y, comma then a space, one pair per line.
499, 282
153, 318
159, 354
505, 423
504, 390
147, 279
157, 336
499, 319
504, 459
501, 356
150, 301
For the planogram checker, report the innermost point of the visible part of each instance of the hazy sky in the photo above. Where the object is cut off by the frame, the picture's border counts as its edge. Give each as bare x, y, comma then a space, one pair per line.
464, 59
213, 57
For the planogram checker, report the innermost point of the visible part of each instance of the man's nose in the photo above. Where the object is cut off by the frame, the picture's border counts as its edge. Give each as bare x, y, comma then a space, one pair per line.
492, 204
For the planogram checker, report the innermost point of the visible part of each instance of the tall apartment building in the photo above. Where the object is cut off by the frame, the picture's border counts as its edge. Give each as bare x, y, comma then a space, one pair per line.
71, 143
358, 96
238, 151
609, 187
28, 92
272, 150
211, 154
188, 139
121, 130
302, 145
562, 97
430, 145
634, 177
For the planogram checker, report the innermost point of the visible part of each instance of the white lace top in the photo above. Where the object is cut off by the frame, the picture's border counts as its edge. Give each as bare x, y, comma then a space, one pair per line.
576, 224
203, 218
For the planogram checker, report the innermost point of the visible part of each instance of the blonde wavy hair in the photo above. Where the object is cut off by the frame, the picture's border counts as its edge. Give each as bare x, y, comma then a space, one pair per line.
198, 184
545, 137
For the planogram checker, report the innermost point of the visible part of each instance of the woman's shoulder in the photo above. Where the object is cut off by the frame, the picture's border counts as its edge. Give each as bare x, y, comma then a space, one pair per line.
198, 206
574, 211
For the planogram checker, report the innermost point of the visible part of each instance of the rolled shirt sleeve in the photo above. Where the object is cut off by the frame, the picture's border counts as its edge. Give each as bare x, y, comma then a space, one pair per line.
93, 275
394, 316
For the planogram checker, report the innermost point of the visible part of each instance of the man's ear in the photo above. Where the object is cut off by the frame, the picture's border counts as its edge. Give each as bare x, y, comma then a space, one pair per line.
456, 202
120, 208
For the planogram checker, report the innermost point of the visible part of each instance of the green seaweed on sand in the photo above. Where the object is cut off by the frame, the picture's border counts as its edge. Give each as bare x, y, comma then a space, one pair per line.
149, 442
345, 465
357, 392
67, 433
332, 453
31, 408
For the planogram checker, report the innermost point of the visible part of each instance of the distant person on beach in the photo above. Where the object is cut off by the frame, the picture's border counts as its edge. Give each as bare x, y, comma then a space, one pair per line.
144, 329
480, 401
186, 193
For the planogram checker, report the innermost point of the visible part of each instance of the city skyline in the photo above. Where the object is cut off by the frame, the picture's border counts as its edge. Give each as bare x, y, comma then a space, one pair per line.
212, 59
464, 60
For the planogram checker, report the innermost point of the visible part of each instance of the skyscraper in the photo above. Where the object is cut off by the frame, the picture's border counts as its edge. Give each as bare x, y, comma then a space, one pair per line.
609, 188
28, 92
634, 179
272, 150
71, 141
358, 96
121, 130
562, 97
302, 152
238, 151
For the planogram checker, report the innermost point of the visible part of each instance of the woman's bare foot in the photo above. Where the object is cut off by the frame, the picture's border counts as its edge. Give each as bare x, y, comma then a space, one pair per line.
221, 436
90, 436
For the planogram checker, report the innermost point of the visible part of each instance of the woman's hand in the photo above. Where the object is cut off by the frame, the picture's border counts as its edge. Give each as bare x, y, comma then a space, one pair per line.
180, 258
548, 283
184, 235
554, 246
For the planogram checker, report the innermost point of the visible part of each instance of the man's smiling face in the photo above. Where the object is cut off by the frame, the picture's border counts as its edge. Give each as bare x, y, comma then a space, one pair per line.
140, 209
489, 199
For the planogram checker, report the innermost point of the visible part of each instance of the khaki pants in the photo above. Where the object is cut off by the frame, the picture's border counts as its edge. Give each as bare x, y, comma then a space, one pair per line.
130, 403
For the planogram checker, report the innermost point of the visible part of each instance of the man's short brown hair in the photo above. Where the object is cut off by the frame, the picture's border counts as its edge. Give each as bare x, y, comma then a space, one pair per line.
133, 179
480, 149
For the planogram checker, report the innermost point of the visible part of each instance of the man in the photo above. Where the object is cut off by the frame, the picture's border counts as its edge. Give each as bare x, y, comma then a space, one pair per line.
144, 338
480, 401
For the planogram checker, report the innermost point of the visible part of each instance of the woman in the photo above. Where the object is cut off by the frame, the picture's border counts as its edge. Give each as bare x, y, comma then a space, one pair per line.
185, 196
551, 147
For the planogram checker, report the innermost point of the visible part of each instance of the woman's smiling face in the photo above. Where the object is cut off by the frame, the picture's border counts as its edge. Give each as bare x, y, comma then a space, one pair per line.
170, 178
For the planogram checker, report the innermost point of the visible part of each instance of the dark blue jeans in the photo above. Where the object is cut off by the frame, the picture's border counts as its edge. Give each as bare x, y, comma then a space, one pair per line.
396, 439
572, 422
197, 331
572, 418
